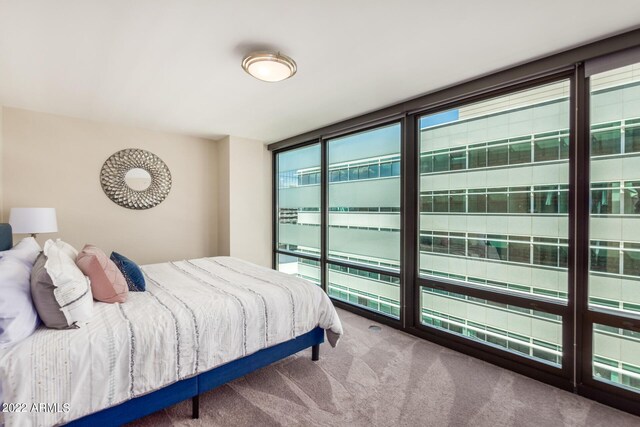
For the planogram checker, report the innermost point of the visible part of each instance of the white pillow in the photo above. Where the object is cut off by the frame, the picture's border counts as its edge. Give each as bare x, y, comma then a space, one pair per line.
26, 251
69, 250
18, 316
73, 290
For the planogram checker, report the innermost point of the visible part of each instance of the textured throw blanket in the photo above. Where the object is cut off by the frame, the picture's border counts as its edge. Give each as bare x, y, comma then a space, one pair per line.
195, 315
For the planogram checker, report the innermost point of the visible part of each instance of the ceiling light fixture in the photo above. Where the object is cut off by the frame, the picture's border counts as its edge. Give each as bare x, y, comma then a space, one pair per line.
269, 66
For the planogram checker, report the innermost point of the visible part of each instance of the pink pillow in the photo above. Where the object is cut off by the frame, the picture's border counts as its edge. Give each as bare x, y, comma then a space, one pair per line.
107, 282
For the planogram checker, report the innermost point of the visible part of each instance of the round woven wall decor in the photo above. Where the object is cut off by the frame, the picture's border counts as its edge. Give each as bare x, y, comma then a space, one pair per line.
112, 178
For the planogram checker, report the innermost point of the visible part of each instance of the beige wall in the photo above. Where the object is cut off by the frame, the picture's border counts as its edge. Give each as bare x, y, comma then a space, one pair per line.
224, 238
54, 161
1, 195
220, 202
245, 200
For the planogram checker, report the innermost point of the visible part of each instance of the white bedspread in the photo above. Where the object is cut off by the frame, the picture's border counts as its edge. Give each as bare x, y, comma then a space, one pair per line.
195, 315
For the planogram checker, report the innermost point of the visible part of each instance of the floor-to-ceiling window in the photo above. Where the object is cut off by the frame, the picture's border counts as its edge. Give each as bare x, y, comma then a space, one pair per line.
504, 223
363, 241
494, 205
614, 226
298, 179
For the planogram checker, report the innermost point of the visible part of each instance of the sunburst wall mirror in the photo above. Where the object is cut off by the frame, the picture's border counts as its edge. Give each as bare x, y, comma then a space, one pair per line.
135, 179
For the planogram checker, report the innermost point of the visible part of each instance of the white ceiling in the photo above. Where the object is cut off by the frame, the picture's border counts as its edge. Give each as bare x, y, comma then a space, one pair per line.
175, 64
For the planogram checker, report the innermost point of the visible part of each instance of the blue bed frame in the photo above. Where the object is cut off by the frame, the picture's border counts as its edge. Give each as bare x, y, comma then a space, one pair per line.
194, 386
190, 388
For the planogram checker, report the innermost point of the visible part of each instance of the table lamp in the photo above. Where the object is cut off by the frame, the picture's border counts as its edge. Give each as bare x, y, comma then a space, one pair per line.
33, 220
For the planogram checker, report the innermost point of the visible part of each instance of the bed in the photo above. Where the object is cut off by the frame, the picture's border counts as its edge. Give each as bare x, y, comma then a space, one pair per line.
200, 324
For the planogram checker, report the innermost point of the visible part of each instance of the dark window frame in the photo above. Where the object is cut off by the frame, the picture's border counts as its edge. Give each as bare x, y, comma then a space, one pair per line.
575, 374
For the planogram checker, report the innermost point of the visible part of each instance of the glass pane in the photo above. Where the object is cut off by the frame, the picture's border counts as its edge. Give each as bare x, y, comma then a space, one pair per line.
545, 199
441, 162
520, 153
498, 155
364, 213
614, 277
477, 203
298, 174
301, 267
497, 202
457, 202
477, 156
484, 217
616, 356
632, 137
545, 255
604, 142
526, 332
458, 160
547, 149
353, 172
519, 202
373, 291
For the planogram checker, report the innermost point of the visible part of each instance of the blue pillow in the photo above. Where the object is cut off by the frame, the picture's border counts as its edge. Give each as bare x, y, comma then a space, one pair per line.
131, 272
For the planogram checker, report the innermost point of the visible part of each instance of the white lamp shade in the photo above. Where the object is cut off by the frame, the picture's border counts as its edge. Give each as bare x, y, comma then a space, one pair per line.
269, 71
33, 220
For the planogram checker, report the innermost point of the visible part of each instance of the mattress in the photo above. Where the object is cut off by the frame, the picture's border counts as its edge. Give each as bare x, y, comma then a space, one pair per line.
195, 315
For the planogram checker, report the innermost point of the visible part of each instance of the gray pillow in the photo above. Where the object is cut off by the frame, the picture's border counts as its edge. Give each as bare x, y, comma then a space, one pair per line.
43, 298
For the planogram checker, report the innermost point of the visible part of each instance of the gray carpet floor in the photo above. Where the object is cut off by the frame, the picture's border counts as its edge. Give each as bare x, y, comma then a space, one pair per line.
388, 378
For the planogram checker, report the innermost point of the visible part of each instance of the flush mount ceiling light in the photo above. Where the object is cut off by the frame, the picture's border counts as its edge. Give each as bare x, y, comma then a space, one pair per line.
269, 66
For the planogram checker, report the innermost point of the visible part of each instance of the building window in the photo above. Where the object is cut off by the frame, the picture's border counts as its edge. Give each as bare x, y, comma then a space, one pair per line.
615, 175
369, 235
298, 195
615, 356
301, 267
508, 214
614, 277
477, 319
